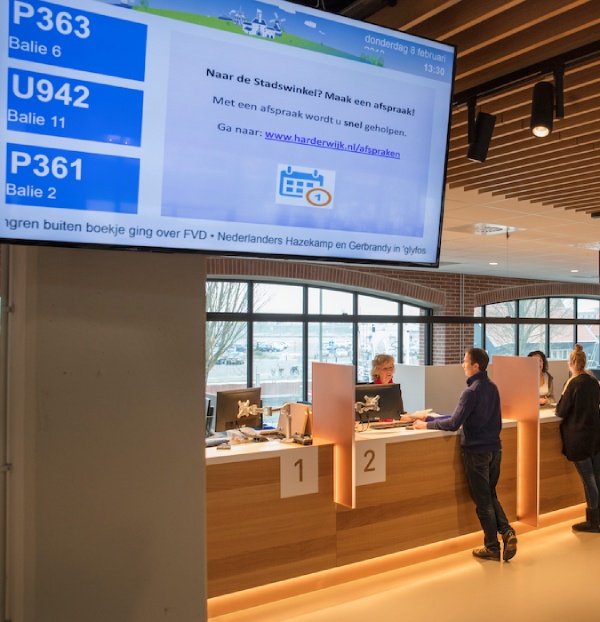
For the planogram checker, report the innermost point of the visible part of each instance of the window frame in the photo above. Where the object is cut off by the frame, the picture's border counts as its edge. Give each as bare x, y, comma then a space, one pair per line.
547, 321
250, 317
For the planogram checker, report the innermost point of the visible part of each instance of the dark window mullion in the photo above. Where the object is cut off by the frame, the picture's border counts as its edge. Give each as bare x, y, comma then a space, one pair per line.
305, 344
400, 328
355, 336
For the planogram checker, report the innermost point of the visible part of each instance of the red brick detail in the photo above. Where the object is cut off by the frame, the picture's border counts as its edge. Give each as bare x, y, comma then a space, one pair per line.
364, 279
536, 290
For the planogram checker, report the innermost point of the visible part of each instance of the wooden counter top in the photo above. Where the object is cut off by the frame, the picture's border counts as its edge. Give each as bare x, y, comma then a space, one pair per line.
253, 451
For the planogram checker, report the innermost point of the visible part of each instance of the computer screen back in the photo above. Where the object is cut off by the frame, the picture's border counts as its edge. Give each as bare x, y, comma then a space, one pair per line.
390, 401
226, 412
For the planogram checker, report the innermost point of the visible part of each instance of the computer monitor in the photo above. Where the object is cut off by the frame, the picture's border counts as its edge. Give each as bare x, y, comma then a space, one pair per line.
227, 408
210, 400
390, 401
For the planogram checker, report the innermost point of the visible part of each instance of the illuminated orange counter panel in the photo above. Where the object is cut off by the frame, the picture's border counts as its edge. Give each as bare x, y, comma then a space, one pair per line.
560, 485
424, 497
256, 536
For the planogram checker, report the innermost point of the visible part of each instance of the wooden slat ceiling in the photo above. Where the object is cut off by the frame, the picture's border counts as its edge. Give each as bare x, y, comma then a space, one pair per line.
494, 39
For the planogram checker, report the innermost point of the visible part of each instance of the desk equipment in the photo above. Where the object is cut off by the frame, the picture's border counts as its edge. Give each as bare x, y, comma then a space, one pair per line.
238, 407
272, 432
215, 441
378, 401
293, 419
253, 435
210, 401
386, 425
303, 439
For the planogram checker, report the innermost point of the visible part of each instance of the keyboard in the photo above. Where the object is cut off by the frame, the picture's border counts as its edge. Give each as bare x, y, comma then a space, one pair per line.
387, 425
272, 432
214, 441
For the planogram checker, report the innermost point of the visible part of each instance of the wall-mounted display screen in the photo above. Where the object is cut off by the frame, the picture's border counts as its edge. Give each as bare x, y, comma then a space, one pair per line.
246, 128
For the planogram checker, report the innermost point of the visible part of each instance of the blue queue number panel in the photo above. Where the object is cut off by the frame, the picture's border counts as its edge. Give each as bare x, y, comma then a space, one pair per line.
70, 108
78, 180
49, 97
46, 33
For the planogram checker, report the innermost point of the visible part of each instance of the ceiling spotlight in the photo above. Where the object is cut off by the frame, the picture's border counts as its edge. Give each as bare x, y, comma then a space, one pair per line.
542, 109
484, 126
480, 132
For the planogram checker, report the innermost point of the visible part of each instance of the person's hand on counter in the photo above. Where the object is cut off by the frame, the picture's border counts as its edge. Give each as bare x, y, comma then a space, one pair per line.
419, 424
418, 414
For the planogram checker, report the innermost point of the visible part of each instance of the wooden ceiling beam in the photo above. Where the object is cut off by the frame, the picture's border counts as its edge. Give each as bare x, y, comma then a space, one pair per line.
487, 65
549, 193
471, 171
527, 22
533, 176
407, 15
504, 48
525, 182
541, 188
498, 174
518, 153
448, 24
515, 121
586, 201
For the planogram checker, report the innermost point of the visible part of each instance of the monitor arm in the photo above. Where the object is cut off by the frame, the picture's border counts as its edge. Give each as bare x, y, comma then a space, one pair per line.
247, 410
370, 403
287, 412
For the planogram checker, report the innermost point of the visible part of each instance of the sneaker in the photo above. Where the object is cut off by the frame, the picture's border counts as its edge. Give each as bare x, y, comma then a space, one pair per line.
510, 545
485, 553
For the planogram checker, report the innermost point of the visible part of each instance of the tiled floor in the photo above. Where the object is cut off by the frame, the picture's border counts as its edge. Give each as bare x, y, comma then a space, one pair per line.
555, 576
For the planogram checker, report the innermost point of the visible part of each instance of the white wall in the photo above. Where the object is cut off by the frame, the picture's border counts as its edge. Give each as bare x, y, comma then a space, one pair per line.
560, 373
412, 382
430, 386
106, 499
444, 385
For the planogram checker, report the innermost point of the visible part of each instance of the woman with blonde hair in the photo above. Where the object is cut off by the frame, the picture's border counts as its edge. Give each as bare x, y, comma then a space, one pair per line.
382, 369
579, 410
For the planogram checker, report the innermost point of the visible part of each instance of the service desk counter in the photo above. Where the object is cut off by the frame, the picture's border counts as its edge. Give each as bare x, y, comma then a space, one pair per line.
412, 490
560, 485
270, 514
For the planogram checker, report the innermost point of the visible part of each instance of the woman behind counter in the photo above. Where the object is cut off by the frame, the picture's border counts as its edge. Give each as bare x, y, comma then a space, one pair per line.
580, 431
382, 372
546, 380
382, 369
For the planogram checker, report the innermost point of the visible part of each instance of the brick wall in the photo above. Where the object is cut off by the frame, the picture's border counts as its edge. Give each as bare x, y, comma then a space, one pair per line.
445, 293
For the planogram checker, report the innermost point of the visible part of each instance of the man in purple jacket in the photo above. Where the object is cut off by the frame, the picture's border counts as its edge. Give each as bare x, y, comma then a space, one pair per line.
480, 421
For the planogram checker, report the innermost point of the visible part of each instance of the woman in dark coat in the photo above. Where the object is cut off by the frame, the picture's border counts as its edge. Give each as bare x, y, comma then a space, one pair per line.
579, 410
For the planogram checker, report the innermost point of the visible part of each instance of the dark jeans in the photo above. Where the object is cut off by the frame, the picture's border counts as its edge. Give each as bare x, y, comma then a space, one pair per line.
589, 471
483, 471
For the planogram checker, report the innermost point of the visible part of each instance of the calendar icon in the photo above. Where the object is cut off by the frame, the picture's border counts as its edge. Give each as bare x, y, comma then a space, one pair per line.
306, 187
294, 183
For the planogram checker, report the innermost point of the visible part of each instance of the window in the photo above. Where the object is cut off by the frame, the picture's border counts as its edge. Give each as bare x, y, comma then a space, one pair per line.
271, 298
478, 330
329, 302
269, 334
552, 334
